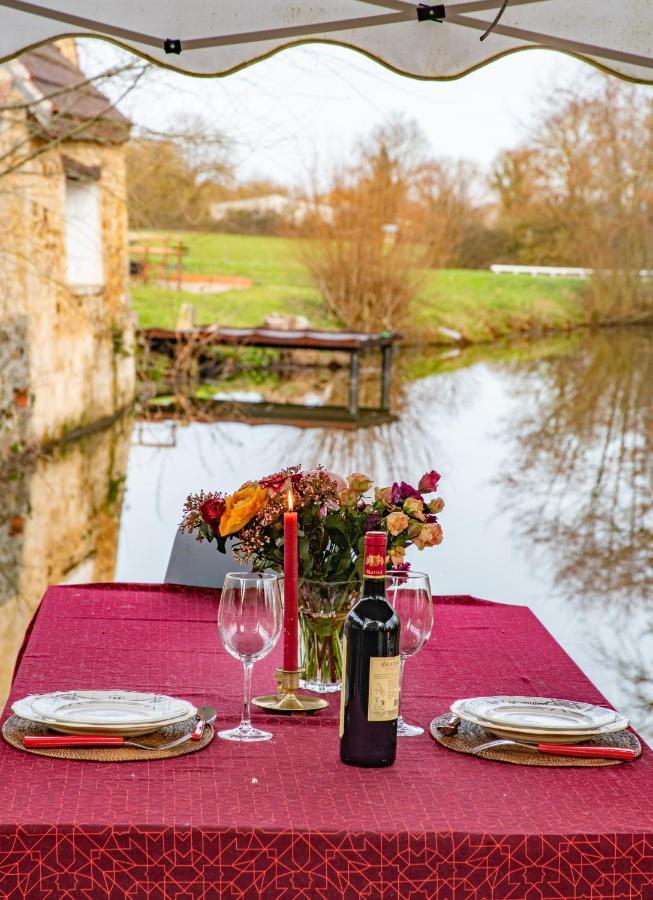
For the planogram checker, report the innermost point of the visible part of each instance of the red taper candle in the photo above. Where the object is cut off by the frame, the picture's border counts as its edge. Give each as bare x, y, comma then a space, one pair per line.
290, 626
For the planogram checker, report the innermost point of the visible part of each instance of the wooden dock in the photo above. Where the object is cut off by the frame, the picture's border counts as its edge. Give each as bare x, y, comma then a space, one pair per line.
354, 343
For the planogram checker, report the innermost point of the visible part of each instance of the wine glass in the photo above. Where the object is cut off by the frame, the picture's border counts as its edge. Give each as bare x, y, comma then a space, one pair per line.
409, 593
249, 621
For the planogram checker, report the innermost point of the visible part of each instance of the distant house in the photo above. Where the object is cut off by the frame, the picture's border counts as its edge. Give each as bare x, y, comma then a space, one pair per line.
65, 320
291, 209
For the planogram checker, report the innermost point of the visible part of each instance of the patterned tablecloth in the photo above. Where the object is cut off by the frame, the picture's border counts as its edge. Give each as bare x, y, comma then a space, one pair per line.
285, 818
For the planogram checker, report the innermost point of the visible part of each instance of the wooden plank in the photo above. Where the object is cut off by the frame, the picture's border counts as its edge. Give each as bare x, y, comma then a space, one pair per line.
350, 341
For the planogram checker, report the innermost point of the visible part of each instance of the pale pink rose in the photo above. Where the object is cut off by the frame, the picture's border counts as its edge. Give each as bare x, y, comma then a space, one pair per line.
436, 506
382, 495
397, 522
415, 508
414, 529
396, 555
348, 498
359, 482
429, 536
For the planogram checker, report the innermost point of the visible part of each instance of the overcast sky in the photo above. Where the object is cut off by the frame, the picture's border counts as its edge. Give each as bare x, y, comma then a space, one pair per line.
306, 106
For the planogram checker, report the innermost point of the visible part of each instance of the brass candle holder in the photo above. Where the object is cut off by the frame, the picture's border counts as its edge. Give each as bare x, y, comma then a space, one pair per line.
287, 701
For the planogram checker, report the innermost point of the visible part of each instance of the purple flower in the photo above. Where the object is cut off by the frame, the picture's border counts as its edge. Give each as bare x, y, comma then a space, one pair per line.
401, 492
429, 482
372, 522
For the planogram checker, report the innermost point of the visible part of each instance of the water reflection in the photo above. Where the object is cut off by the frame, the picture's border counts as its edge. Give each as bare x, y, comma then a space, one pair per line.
545, 450
60, 520
580, 488
581, 481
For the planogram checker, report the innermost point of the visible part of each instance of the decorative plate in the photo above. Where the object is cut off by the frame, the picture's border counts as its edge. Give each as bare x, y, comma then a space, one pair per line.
541, 717
105, 712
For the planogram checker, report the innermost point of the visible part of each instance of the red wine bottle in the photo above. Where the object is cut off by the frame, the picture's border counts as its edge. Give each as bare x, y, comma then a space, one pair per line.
369, 699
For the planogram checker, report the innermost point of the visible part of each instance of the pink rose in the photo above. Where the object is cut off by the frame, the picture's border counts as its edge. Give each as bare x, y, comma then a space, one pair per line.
429, 482
397, 522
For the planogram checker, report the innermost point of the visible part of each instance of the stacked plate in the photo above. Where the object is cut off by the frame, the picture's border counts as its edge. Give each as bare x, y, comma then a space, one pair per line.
539, 719
128, 713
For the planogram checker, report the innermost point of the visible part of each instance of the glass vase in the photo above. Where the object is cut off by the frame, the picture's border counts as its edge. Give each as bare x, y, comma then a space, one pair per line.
323, 608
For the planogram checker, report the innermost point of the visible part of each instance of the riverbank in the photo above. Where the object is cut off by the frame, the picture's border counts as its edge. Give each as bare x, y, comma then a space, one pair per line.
477, 305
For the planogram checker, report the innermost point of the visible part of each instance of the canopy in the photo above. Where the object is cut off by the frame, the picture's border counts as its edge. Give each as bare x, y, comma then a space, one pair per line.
215, 37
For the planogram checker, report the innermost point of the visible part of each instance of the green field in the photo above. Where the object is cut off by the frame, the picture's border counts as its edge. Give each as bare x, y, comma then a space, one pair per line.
478, 304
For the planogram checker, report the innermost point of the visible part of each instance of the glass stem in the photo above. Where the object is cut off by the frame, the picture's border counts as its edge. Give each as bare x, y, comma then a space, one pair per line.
401, 677
247, 692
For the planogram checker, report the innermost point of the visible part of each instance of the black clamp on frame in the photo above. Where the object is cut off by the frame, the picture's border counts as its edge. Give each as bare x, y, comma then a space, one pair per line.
172, 45
427, 13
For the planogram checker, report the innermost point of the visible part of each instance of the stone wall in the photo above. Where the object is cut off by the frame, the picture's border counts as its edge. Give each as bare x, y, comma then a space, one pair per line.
66, 354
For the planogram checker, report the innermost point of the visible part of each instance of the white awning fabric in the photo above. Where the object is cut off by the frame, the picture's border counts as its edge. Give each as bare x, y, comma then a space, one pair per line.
215, 37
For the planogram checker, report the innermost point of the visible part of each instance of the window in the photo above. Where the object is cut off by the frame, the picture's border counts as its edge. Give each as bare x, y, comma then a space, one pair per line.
83, 233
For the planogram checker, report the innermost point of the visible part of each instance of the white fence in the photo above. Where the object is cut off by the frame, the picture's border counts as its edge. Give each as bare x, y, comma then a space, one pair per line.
555, 271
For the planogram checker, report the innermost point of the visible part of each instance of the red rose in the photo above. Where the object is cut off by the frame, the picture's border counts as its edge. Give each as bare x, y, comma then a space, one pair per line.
211, 511
429, 482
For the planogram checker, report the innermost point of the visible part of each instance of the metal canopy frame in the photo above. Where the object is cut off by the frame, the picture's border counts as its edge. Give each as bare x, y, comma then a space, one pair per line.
456, 14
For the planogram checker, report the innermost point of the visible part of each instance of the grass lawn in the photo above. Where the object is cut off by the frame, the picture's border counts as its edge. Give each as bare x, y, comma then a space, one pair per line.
478, 304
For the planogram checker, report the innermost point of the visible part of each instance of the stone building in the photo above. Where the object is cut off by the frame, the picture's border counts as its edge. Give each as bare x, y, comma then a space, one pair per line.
65, 323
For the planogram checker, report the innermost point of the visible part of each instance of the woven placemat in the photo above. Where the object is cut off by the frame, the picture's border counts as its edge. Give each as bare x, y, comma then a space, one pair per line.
470, 736
15, 729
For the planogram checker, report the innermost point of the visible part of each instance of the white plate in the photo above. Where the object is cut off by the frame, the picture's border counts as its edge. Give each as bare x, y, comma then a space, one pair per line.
543, 713
541, 735
113, 724
107, 707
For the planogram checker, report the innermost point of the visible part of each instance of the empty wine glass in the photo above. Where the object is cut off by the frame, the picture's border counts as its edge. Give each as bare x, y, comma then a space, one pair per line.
249, 621
409, 593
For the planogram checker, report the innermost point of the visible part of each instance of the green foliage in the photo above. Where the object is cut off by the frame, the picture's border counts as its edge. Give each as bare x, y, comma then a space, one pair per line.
478, 304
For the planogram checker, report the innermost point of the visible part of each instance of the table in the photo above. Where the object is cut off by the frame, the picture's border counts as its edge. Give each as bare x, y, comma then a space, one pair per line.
285, 818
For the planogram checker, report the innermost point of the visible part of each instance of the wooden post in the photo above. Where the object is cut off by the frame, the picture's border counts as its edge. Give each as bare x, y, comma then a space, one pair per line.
386, 377
354, 381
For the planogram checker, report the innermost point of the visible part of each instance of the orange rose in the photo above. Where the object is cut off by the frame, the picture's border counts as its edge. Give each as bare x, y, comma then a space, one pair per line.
241, 507
429, 536
397, 522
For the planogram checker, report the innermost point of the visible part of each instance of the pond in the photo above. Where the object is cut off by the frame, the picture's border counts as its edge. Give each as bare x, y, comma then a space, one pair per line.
546, 455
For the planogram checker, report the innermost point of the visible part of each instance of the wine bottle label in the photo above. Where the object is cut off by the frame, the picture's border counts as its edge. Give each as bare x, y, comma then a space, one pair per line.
343, 685
374, 565
383, 701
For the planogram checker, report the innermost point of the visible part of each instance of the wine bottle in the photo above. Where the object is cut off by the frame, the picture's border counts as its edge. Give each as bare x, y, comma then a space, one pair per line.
369, 699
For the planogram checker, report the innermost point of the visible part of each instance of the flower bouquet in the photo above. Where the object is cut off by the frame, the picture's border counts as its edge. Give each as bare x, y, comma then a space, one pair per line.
333, 518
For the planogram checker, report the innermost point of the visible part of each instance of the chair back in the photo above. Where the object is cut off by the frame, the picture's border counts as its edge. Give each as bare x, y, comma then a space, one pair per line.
199, 564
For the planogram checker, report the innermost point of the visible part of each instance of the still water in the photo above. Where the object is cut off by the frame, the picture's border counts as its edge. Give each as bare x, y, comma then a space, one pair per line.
546, 455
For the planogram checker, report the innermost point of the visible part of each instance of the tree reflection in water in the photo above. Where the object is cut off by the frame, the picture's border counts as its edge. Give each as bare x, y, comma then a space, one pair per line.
580, 488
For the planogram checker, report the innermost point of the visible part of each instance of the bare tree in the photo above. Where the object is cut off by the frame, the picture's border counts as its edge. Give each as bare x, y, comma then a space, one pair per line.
580, 192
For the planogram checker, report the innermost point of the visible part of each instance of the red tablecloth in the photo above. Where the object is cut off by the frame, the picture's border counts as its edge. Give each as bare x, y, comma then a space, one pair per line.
285, 818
